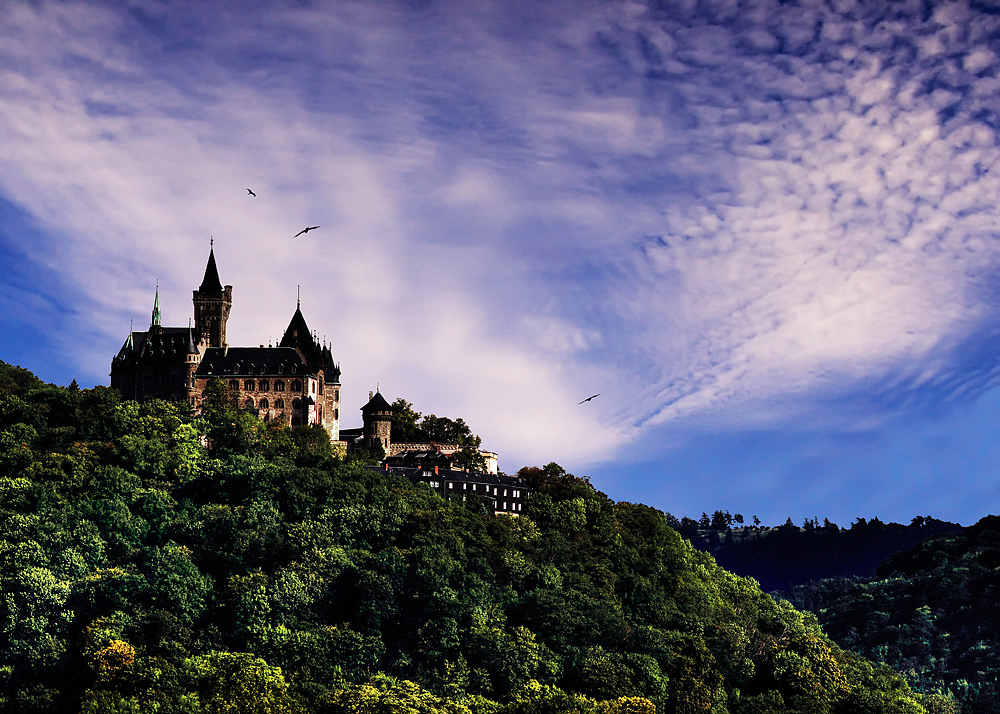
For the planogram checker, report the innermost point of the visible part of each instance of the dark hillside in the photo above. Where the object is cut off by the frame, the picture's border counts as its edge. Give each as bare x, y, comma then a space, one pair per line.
786, 556
152, 561
932, 612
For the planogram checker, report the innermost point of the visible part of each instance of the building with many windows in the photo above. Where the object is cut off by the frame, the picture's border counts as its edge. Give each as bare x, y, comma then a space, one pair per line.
296, 381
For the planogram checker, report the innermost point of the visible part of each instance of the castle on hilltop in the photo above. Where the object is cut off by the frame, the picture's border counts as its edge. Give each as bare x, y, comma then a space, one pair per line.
296, 382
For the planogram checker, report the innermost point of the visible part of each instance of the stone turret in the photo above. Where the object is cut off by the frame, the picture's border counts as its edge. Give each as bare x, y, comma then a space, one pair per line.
212, 303
377, 418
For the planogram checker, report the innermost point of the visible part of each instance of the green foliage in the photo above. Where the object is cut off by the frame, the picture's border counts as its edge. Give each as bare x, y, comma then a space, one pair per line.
156, 561
922, 614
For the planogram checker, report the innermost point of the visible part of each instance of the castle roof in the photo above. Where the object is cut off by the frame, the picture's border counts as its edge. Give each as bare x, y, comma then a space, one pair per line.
259, 361
211, 283
376, 404
298, 336
162, 345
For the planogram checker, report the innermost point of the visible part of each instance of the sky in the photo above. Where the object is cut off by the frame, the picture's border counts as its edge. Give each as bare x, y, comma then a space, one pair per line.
766, 233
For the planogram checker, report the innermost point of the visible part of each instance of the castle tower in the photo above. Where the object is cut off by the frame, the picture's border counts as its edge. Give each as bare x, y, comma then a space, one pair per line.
212, 303
377, 418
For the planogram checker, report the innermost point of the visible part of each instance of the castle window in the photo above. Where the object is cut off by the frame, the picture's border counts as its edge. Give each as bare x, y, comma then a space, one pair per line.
263, 385
234, 384
296, 403
248, 385
296, 385
336, 414
249, 404
263, 404
279, 386
279, 403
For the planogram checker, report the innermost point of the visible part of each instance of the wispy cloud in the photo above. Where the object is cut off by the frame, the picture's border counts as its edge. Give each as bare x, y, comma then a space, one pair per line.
715, 209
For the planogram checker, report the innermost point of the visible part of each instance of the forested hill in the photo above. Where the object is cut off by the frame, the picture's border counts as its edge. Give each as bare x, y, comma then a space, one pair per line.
931, 612
786, 556
155, 562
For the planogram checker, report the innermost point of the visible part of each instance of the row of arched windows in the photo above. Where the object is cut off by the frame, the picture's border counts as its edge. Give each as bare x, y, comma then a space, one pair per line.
278, 404
264, 385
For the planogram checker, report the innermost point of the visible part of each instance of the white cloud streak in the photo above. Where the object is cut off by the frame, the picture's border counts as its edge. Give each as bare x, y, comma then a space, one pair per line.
689, 210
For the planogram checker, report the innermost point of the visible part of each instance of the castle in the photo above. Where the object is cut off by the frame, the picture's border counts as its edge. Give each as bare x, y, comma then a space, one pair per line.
296, 382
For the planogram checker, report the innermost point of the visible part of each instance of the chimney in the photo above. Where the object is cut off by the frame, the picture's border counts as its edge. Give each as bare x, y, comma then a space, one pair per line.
435, 470
370, 395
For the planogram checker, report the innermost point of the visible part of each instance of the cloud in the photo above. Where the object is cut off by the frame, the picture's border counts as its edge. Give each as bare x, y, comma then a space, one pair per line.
722, 210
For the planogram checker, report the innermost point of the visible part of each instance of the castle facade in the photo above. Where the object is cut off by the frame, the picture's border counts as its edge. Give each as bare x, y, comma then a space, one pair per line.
296, 382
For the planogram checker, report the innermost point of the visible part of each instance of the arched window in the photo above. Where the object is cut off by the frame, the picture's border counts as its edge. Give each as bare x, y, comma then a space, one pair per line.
279, 403
279, 385
296, 385
248, 385
249, 404
263, 385
263, 404
234, 384
296, 403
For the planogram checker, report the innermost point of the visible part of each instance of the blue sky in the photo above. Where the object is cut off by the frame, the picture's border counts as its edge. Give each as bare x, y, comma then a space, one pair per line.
765, 233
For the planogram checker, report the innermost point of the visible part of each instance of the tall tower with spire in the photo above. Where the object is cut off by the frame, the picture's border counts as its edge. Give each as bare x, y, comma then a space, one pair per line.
212, 303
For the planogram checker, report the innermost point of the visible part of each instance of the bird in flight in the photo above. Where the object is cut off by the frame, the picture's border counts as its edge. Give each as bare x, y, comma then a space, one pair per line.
251, 193
589, 398
305, 230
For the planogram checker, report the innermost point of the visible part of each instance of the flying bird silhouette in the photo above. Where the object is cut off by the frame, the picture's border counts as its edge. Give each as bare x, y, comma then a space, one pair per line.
589, 398
305, 230
251, 193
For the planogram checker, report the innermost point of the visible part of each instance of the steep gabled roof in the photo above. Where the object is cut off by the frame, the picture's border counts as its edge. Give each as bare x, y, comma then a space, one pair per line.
376, 404
260, 361
211, 283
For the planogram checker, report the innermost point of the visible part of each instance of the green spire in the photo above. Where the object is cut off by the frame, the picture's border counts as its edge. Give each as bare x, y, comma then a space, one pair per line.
156, 306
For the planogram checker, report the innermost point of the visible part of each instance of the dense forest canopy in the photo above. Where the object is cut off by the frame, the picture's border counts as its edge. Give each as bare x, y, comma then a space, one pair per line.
930, 612
158, 561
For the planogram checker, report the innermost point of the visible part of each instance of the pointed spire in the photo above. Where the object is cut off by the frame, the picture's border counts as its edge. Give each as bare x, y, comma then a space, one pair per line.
191, 348
211, 282
156, 307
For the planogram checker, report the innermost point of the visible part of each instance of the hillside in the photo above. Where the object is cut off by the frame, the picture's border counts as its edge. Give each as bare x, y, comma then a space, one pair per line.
155, 561
930, 612
783, 557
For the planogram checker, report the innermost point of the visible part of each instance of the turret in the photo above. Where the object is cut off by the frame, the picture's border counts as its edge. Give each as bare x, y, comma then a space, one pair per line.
212, 303
377, 418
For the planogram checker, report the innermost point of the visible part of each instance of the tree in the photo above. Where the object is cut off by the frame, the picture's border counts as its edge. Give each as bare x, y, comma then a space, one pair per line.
405, 427
239, 683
